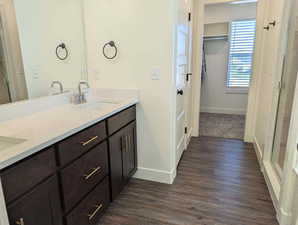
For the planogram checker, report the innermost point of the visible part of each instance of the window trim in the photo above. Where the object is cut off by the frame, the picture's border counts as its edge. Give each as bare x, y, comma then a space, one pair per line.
237, 90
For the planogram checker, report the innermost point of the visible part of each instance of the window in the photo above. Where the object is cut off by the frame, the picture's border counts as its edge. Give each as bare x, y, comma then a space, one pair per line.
242, 39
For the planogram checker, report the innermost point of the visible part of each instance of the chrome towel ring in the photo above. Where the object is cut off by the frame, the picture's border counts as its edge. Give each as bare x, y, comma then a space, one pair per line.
63, 47
112, 45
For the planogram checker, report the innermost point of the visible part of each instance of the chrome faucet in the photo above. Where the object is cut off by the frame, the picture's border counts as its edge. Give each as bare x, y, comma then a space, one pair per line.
81, 97
60, 85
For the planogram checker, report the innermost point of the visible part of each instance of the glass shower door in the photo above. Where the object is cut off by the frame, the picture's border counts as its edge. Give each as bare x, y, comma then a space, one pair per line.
284, 110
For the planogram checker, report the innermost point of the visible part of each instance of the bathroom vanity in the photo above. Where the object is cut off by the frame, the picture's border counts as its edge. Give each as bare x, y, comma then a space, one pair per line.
73, 179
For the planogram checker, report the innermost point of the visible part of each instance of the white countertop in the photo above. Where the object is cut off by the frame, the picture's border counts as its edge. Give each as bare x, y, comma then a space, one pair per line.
46, 127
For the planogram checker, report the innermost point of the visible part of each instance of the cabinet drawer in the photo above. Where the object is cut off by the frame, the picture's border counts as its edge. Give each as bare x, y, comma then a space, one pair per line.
121, 119
19, 178
82, 175
41, 206
92, 207
77, 144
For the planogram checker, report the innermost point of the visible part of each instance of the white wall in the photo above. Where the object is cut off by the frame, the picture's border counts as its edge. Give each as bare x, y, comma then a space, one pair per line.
214, 97
42, 26
143, 32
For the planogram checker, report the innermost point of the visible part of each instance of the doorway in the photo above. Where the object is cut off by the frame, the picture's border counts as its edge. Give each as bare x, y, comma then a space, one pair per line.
228, 49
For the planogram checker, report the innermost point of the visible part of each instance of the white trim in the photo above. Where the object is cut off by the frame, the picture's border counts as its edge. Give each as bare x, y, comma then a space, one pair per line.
255, 82
259, 153
160, 176
198, 33
188, 136
270, 177
181, 141
223, 110
273, 184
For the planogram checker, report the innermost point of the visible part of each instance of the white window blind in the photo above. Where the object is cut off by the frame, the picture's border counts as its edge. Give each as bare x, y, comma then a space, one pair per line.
242, 40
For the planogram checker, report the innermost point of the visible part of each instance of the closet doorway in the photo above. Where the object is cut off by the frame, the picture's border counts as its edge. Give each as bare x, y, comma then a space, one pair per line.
228, 49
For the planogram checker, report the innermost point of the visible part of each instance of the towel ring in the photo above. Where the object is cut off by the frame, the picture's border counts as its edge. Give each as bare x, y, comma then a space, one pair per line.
63, 47
111, 44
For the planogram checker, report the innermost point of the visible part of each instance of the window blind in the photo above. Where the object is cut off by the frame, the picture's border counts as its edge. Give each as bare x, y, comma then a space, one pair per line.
242, 40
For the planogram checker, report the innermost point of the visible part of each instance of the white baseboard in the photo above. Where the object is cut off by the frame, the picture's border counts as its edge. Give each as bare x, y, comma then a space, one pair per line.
270, 178
259, 153
272, 186
223, 110
156, 175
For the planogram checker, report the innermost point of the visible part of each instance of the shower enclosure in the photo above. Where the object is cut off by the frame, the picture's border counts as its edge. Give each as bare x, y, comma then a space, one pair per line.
287, 87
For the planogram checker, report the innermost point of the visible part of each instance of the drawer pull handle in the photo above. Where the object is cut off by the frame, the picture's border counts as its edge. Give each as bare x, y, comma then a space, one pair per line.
20, 221
98, 207
89, 141
94, 171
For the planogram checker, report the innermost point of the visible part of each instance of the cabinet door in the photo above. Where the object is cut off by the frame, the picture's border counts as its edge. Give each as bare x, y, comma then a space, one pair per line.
116, 143
40, 206
129, 153
123, 157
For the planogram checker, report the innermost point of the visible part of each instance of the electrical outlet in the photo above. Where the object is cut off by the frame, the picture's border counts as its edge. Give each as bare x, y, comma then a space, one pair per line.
155, 74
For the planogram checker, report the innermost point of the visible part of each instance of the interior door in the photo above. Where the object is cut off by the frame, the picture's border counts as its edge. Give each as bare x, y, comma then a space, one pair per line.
182, 56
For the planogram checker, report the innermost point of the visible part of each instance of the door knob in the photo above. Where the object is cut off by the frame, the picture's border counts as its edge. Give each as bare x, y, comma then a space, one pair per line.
180, 92
267, 27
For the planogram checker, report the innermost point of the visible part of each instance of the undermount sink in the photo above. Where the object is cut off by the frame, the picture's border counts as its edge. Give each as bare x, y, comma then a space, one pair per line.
96, 105
7, 142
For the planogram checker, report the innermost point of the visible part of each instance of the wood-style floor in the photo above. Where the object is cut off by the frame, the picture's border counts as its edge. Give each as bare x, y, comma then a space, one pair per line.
218, 183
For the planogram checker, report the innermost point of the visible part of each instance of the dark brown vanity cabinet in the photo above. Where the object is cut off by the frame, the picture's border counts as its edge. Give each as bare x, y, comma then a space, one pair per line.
73, 181
123, 157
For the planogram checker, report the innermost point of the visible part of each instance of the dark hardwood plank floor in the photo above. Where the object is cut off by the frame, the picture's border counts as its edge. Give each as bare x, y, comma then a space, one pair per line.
218, 183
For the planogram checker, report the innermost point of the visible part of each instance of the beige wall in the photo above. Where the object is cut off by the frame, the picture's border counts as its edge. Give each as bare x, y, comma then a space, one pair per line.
143, 32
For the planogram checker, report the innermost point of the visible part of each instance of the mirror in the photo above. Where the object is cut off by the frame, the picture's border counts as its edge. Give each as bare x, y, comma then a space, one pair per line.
40, 42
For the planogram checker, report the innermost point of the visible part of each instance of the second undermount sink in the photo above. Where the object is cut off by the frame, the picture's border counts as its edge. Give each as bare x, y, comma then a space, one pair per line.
8, 142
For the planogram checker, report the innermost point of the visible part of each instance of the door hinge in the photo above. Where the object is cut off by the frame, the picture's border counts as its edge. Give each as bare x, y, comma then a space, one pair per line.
189, 16
187, 76
185, 130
